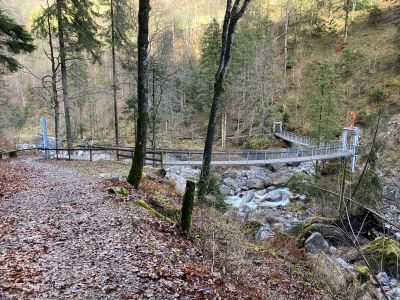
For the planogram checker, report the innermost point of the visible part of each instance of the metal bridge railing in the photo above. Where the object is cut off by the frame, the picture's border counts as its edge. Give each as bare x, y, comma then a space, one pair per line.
260, 155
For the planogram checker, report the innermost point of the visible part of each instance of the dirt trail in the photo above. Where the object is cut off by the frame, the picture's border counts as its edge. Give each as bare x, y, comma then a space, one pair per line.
64, 238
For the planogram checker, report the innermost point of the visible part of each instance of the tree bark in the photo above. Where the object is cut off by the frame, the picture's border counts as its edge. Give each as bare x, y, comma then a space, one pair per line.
54, 96
346, 21
286, 42
139, 157
187, 206
63, 58
232, 15
114, 75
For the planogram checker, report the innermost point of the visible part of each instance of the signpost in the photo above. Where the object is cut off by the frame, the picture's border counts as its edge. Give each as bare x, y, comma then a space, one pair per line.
44, 137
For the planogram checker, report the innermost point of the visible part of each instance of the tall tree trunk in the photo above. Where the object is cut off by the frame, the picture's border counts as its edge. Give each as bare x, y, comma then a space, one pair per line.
346, 21
54, 96
286, 42
63, 64
139, 157
114, 74
232, 15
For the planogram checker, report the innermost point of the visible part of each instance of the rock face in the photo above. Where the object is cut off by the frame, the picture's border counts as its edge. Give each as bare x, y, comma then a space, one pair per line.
316, 243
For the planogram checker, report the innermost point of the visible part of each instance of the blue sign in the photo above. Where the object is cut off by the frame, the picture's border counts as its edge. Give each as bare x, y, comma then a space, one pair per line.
44, 136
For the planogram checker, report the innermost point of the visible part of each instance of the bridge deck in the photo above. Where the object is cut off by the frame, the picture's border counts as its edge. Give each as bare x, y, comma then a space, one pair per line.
261, 162
302, 141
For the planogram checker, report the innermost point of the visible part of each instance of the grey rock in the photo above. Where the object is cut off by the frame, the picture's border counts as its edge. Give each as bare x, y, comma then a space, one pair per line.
248, 196
265, 232
226, 190
333, 250
255, 184
393, 283
383, 278
265, 216
113, 177
341, 262
316, 243
230, 183
397, 292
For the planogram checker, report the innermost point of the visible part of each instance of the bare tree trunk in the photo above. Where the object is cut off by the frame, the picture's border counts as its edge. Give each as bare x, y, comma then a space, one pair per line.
223, 130
114, 74
54, 96
63, 58
286, 42
232, 15
346, 21
139, 157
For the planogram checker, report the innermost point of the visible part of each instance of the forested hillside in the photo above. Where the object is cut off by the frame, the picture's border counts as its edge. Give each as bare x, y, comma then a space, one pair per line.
285, 53
200, 149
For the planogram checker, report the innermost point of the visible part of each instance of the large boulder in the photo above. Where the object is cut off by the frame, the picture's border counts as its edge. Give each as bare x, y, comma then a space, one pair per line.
280, 178
316, 244
230, 182
327, 228
262, 216
255, 183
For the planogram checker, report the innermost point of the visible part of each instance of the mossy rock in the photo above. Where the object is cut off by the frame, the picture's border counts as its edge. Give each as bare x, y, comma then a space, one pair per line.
153, 212
322, 220
362, 274
118, 191
325, 226
163, 206
385, 250
382, 254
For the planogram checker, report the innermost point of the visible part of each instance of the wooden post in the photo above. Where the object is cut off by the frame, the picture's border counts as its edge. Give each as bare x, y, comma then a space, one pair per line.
91, 154
187, 206
162, 159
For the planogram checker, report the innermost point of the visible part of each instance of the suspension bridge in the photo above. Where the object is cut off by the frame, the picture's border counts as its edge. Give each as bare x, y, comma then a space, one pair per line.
309, 150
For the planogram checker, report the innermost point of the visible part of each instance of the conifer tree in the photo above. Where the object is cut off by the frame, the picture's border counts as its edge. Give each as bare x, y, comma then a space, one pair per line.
324, 105
14, 40
210, 52
77, 33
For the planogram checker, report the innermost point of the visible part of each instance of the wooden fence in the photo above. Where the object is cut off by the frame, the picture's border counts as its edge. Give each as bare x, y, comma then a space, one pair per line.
156, 157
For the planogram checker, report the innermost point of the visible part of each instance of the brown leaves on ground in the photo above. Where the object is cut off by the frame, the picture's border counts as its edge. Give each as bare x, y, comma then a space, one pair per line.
62, 236
13, 178
66, 239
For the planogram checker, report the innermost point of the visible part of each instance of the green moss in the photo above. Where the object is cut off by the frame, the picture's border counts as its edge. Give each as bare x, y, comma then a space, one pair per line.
252, 228
187, 206
384, 248
322, 220
297, 206
118, 191
152, 211
362, 274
